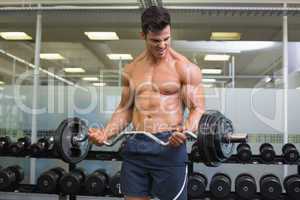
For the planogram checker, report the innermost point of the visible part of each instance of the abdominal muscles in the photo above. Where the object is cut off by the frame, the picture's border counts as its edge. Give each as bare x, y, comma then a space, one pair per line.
156, 111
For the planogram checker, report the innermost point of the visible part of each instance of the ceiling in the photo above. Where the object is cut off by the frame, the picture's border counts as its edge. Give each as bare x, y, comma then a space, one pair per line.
62, 32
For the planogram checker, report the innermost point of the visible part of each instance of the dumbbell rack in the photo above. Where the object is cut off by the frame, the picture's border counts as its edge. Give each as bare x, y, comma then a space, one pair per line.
114, 156
255, 159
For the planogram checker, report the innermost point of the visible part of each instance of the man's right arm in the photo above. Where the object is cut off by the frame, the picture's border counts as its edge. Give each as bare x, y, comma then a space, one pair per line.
122, 116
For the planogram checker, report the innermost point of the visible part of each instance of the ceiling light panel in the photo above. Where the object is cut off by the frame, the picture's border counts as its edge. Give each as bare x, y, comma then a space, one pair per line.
102, 35
15, 36
225, 36
208, 85
51, 56
211, 71
90, 78
216, 57
74, 70
209, 80
99, 84
119, 56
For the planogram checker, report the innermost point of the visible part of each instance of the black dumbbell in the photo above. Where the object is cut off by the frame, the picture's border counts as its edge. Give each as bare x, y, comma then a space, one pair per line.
196, 185
97, 183
195, 153
267, 152
245, 186
292, 186
10, 177
42, 145
290, 153
115, 185
4, 144
244, 152
19, 146
220, 185
48, 182
270, 186
71, 183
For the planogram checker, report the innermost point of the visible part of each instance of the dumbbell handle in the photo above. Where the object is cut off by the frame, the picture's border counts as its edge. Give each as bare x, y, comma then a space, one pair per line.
236, 138
81, 138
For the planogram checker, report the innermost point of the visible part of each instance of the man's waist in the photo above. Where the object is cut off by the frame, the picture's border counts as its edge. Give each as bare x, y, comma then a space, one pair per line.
156, 131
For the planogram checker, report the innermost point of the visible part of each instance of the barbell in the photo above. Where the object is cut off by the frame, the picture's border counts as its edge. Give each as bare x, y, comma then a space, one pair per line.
214, 139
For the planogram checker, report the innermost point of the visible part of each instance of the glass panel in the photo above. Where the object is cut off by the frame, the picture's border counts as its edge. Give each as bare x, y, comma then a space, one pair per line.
16, 80
294, 77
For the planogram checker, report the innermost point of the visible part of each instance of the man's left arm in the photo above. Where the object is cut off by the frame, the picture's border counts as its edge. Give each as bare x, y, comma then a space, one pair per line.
193, 96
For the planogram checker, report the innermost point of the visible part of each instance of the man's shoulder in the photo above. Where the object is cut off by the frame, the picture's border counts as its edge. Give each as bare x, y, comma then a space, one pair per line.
184, 66
137, 60
129, 67
181, 62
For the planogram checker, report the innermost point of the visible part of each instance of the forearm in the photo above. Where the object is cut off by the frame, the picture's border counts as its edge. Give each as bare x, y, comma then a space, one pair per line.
191, 123
119, 121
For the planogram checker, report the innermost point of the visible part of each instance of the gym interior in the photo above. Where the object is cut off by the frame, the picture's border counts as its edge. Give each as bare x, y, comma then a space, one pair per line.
56, 64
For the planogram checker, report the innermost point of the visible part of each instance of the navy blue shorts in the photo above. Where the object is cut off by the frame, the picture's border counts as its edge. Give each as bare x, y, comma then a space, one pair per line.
152, 170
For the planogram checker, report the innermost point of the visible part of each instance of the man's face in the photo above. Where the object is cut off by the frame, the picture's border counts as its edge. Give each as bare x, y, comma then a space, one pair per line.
158, 43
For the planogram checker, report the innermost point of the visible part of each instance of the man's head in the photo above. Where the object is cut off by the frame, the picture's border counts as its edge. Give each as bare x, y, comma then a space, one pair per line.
155, 19
156, 30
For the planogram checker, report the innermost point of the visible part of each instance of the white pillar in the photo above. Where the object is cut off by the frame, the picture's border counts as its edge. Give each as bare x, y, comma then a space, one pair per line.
35, 91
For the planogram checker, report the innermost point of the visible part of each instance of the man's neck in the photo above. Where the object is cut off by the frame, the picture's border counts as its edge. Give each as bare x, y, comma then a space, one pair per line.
157, 60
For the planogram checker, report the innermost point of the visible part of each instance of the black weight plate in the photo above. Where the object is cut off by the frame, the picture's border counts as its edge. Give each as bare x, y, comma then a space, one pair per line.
70, 152
196, 185
18, 171
4, 143
287, 146
69, 184
292, 186
222, 127
59, 171
291, 156
225, 130
201, 149
208, 130
96, 184
244, 152
213, 128
245, 186
211, 138
220, 186
5, 177
203, 143
267, 152
265, 145
195, 153
115, 185
47, 182
270, 186
203, 140
290, 153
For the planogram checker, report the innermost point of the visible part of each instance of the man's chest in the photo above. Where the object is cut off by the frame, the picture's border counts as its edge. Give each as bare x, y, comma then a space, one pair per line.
164, 80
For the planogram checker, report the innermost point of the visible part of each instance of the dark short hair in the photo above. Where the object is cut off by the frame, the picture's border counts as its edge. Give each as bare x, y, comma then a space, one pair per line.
155, 19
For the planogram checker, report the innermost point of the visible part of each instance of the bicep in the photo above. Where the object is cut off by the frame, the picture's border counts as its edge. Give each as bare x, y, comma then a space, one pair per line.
127, 94
192, 88
126, 101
